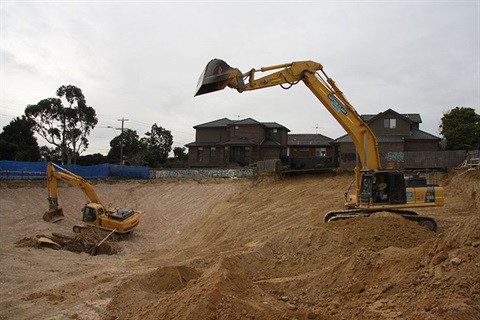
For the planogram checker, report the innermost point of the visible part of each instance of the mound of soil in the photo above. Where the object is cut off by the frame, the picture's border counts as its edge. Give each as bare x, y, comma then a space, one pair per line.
91, 241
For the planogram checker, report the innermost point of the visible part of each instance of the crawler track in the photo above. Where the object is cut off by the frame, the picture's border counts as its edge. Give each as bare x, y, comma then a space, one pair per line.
410, 215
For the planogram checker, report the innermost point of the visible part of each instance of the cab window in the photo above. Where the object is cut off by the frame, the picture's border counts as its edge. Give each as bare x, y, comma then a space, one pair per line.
367, 184
89, 214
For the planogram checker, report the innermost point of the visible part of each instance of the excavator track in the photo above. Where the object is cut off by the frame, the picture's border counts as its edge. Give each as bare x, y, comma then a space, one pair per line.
409, 215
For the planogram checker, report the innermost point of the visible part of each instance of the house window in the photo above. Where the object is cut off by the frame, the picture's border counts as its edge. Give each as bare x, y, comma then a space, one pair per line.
304, 149
236, 131
390, 123
200, 154
213, 152
320, 152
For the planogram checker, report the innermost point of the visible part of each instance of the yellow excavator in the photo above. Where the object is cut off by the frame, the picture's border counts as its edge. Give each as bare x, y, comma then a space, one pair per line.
94, 213
376, 189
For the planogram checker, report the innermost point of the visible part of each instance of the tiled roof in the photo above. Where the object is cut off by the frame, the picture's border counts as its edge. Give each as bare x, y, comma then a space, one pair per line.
413, 117
415, 135
225, 122
215, 124
305, 139
267, 142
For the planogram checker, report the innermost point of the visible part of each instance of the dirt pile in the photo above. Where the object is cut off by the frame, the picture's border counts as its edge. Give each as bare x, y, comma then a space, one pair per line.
327, 273
90, 241
248, 249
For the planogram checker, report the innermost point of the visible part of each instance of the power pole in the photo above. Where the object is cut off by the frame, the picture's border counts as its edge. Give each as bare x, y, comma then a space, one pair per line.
121, 140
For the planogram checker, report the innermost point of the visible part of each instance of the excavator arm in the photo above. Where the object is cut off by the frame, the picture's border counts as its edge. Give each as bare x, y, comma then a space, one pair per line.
218, 75
55, 212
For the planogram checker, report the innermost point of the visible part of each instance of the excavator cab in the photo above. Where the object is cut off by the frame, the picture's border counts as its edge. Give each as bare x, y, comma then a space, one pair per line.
382, 188
89, 214
218, 75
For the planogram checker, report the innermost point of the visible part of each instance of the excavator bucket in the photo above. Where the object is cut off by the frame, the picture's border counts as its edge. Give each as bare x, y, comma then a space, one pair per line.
217, 75
53, 215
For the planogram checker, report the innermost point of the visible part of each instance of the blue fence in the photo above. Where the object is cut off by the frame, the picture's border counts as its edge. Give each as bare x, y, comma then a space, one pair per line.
19, 170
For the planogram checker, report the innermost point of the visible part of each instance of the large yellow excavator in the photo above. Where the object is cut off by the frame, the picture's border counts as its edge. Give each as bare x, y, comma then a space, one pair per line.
376, 189
95, 214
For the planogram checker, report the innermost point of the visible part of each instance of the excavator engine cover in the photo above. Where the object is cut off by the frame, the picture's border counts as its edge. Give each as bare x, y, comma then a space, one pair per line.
217, 75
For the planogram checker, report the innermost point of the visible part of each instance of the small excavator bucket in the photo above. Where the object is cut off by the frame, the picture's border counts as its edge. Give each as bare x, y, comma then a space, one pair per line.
217, 75
53, 215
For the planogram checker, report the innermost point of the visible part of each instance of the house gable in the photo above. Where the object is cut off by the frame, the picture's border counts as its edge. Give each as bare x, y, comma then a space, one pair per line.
212, 132
391, 123
394, 138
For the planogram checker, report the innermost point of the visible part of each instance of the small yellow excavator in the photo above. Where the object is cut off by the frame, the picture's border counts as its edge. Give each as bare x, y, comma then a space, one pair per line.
376, 189
95, 214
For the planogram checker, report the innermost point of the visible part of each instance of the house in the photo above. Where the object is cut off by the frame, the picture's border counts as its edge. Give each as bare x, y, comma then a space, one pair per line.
309, 151
309, 145
227, 143
396, 134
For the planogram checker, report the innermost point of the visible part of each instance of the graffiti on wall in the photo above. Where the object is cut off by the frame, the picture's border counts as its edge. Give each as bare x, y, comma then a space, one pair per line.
201, 173
395, 157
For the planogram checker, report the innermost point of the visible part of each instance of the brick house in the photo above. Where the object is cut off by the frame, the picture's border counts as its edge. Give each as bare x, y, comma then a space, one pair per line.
309, 145
227, 143
309, 151
396, 134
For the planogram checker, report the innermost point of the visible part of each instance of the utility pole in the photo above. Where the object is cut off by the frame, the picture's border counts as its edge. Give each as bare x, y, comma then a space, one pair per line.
121, 140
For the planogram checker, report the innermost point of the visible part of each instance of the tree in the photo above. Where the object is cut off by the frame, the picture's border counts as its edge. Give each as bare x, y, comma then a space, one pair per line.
159, 144
91, 159
179, 153
64, 127
179, 159
17, 141
50, 154
461, 129
133, 149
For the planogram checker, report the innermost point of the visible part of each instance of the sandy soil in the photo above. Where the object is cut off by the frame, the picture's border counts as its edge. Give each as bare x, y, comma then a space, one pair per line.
244, 249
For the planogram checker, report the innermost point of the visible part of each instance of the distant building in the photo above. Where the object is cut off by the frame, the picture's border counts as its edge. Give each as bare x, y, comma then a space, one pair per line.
309, 145
229, 143
309, 151
396, 134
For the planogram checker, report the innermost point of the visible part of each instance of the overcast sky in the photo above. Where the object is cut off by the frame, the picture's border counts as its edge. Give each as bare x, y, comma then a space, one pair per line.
141, 60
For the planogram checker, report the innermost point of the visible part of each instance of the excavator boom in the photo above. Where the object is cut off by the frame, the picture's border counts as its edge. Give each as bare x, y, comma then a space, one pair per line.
219, 75
71, 178
54, 212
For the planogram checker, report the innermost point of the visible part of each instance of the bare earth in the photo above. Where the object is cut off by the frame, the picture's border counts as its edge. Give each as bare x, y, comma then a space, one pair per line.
244, 249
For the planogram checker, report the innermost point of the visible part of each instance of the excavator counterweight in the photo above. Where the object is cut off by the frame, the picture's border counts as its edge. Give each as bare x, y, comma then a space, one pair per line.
216, 76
